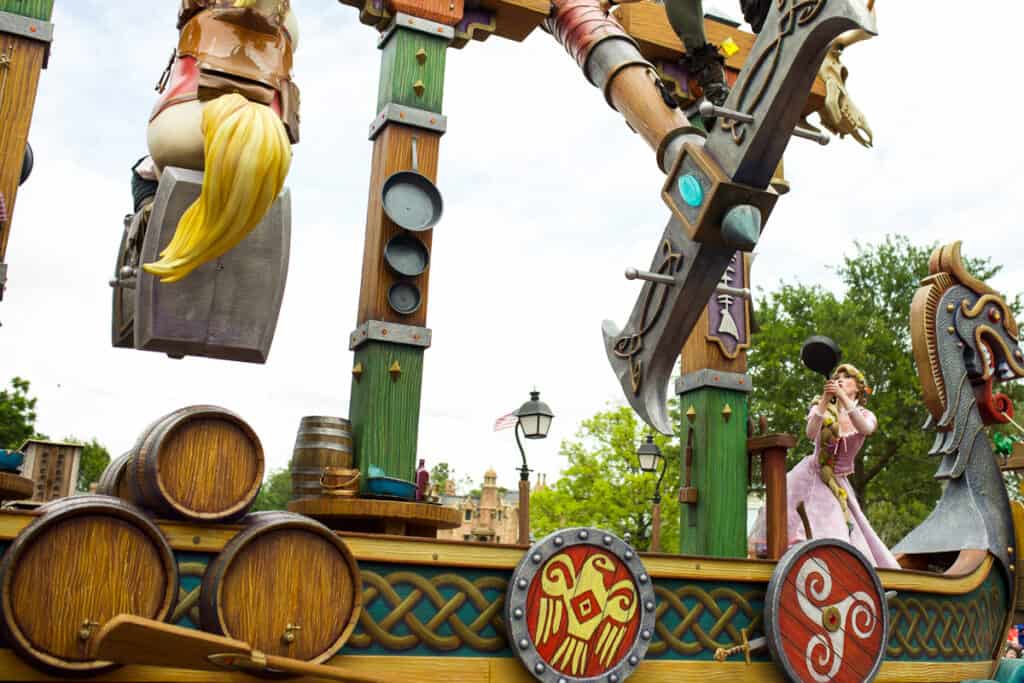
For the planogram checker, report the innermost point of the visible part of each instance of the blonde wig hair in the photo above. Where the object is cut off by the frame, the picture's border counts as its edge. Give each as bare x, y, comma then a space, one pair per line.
247, 156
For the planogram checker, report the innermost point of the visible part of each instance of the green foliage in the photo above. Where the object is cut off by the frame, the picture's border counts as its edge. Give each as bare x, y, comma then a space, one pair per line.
275, 492
871, 324
604, 487
440, 474
95, 458
17, 414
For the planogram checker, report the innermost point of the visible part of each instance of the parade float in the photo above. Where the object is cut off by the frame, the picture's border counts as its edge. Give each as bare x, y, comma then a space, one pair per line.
164, 577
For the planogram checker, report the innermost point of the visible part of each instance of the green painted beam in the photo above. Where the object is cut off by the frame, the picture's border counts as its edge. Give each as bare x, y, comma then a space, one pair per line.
36, 9
385, 409
412, 70
716, 525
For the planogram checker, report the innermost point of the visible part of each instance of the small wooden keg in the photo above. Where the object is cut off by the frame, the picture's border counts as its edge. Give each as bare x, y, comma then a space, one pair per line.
202, 463
321, 442
85, 560
286, 585
113, 481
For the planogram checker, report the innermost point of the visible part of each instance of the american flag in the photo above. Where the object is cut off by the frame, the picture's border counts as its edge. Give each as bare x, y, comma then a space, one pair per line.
506, 422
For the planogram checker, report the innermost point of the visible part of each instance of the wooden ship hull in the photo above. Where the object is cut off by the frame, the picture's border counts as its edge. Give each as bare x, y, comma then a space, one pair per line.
434, 609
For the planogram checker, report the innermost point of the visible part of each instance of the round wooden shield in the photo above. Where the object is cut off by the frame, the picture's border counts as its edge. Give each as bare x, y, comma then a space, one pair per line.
580, 607
825, 614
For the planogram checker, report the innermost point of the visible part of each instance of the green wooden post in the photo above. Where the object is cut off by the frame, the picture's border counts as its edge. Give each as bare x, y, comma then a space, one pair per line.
34, 9
716, 524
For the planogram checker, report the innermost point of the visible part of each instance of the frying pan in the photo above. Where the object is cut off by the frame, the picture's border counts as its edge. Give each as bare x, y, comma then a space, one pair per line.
410, 199
406, 255
821, 355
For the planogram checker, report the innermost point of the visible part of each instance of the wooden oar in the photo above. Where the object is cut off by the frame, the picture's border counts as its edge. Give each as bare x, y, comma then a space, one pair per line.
128, 639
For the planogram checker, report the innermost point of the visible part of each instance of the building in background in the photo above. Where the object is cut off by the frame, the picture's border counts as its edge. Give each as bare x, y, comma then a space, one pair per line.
491, 517
52, 466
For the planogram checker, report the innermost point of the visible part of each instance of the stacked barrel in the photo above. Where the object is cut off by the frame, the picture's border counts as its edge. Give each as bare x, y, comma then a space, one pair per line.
285, 583
322, 460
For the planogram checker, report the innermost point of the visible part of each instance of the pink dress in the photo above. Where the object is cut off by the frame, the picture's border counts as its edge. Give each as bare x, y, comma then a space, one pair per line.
804, 484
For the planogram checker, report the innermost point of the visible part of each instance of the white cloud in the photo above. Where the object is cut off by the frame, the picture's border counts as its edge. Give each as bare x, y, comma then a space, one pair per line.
548, 197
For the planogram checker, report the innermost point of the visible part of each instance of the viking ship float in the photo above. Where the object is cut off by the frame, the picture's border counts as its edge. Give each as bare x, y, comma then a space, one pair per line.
163, 576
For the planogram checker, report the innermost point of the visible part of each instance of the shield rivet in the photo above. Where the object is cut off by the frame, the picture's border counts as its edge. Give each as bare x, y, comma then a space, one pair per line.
629, 554
538, 667
649, 605
633, 660
642, 578
645, 634
524, 644
522, 583
559, 541
584, 534
614, 678
607, 540
536, 558
517, 613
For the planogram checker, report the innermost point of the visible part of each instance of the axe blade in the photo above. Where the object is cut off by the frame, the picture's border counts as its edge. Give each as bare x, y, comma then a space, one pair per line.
772, 89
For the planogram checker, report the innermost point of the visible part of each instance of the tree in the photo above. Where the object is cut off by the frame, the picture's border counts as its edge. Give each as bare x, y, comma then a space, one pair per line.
17, 414
871, 324
439, 476
275, 492
604, 487
95, 458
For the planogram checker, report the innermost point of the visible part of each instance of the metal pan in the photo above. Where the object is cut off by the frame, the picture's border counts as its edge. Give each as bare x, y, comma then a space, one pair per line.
821, 355
410, 199
406, 255
404, 297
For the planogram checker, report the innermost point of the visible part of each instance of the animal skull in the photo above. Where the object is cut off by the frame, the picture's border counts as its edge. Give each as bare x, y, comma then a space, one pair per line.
840, 115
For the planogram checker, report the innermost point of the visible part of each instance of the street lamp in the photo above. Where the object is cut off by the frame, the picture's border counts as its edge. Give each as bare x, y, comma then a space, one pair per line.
649, 456
534, 421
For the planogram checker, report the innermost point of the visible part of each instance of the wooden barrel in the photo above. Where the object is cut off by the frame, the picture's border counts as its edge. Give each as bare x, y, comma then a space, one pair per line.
321, 442
202, 463
286, 585
113, 481
85, 560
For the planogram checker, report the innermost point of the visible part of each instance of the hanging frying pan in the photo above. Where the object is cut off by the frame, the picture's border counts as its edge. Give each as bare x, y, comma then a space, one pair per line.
406, 255
404, 297
821, 355
410, 199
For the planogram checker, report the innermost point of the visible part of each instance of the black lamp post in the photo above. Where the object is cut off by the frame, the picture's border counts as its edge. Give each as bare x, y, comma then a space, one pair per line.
649, 456
534, 421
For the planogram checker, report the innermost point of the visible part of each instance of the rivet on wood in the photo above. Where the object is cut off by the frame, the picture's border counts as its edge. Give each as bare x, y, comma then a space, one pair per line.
88, 626
357, 371
419, 88
421, 56
691, 414
726, 412
395, 370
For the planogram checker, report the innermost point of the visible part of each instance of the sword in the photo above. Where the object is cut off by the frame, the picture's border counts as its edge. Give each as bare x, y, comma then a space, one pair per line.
719, 197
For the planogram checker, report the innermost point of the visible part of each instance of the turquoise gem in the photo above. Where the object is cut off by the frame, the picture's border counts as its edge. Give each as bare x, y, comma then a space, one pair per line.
690, 189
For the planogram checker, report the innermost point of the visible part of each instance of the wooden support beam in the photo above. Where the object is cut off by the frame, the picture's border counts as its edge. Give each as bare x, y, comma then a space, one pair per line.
772, 449
648, 24
21, 61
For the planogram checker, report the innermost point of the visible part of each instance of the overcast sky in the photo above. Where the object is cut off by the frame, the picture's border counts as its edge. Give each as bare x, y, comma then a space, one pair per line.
548, 197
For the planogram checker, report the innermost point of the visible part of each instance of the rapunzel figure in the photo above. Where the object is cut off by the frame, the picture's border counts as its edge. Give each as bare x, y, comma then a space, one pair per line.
837, 424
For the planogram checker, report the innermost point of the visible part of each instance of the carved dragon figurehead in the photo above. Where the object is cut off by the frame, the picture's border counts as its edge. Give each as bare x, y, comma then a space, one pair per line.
965, 340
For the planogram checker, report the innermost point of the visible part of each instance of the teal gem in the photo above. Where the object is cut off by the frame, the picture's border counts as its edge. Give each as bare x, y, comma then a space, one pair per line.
690, 189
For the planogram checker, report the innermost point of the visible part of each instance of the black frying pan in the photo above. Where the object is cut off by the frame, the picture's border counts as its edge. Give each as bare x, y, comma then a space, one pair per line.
410, 199
821, 354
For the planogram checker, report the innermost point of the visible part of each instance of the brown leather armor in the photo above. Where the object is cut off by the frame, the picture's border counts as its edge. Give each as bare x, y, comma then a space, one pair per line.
240, 51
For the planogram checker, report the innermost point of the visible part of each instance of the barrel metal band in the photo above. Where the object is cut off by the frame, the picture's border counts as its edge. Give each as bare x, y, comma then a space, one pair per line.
409, 116
718, 379
27, 27
392, 333
408, 21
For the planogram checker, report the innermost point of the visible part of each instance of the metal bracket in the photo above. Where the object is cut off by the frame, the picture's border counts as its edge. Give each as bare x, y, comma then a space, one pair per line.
714, 378
26, 27
402, 20
392, 333
408, 116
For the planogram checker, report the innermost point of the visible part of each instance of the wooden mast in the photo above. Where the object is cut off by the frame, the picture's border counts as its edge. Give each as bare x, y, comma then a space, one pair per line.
25, 36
